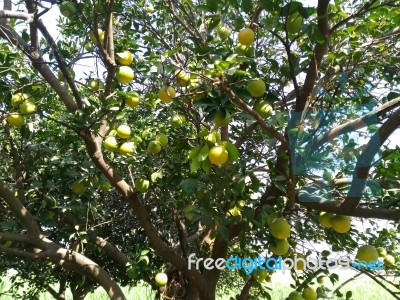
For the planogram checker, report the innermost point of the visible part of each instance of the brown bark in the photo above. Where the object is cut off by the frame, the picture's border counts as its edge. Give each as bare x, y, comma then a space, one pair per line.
52, 251
130, 196
9, 34
113, 252
364, 161
316, 59
362, 212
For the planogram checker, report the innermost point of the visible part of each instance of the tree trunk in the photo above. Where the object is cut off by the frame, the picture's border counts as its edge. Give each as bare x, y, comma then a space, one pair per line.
192, 292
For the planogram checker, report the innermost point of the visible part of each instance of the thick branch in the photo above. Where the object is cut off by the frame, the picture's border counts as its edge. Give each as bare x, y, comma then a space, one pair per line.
22, 213
15, 237
319, 52
244, 293
74, 262
356, 124
219, 249
61, 62
131, 198
17, 15
9, 34
113, 252
364, 161
362, 212
108, 35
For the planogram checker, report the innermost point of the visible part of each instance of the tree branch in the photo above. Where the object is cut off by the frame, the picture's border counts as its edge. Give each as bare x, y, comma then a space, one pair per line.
61, 62
243, 105
364, 161
112, 251
319, 51
356, 124
362, 212
244, 293
22, 213
139, 210
9, 34
17, 15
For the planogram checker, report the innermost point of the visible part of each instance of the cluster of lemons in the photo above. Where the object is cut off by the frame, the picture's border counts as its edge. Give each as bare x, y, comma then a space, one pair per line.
340, 224
280, 229
24, 105
118, 139
218, 155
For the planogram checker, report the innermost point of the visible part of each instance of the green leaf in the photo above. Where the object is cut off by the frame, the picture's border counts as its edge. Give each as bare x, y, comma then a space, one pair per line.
349, 294
316, 36
194, 166
194, 152
234, 3
203, 154
171, 52
206, 165
121, 115
280, 178
232, 150
156, 175
189, 186
211, 116
232, 58
392, 95
144, 252
212, 5
223, 232
269, 5
247, 6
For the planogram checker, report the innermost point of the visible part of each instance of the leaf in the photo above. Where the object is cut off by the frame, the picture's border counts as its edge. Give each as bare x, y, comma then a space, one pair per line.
234, 3
203, 154
211, 116
211, 138
231, 71
375, 4
156, 175
189, 186
144, 252
316, 36
212, 5
247, 6
120, 115
392, 95
204, 102
280, 178
269, 5
232, 58
232, 150
194, 166
206, 165
349, 294
194, 152
171, 52
224, 232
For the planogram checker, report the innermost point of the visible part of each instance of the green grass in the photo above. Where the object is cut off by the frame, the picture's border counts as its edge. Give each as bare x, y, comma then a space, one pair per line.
363, 289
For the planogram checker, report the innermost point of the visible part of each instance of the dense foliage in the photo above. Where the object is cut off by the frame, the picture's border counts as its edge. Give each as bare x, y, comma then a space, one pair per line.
232, 148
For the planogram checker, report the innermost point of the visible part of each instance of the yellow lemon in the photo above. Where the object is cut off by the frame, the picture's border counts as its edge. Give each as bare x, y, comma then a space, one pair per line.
167, 94
341, 224
218, 155
280, 228
246, 36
